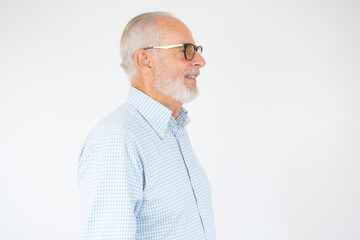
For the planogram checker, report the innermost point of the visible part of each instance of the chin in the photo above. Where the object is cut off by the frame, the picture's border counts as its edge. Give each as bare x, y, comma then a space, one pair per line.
186, 94
181, 90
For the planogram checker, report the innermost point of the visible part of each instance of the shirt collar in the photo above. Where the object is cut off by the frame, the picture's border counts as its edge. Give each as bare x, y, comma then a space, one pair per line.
156, 114
182, 118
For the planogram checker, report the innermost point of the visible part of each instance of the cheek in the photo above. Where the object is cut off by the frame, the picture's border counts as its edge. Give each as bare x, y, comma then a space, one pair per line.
171, 68
181, 74
181, 71
176, 73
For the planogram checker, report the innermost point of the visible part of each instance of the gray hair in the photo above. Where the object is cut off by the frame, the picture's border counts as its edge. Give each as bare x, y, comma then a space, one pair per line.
140, 32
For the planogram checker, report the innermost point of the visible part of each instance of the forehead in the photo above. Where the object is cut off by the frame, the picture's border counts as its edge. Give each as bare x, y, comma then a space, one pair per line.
174, 31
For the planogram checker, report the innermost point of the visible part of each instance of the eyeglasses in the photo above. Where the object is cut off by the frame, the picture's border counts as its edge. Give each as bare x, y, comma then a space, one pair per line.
189, 49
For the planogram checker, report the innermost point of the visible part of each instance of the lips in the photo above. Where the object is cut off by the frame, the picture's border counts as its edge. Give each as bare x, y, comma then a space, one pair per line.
192, 74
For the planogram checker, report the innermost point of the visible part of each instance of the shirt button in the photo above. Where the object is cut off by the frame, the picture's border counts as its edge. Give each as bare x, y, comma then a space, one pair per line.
197, 195
172, 124
161, 134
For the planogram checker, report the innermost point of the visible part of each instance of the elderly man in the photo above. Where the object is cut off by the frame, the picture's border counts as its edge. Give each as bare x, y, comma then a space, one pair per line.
138, 175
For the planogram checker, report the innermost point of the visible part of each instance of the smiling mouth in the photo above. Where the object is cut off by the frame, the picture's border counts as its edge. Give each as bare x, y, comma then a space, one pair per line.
192, 74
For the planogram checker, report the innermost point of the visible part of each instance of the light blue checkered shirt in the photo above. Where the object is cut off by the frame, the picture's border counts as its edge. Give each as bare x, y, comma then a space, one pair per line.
139, 178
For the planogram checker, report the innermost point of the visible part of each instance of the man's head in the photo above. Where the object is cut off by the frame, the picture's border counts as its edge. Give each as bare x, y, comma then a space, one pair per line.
148, 55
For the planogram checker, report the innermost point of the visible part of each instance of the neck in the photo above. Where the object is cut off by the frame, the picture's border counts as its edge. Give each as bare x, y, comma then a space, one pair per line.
147, 88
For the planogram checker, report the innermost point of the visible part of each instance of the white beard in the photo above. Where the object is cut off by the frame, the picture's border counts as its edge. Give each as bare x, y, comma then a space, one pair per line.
175, 88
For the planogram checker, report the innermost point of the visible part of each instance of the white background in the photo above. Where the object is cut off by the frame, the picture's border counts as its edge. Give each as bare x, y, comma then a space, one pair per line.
276, 126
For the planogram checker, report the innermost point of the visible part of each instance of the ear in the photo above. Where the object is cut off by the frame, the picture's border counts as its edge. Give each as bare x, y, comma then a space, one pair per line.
143, 62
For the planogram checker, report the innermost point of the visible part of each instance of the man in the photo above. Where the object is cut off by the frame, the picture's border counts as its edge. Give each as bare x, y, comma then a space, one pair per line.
138, 176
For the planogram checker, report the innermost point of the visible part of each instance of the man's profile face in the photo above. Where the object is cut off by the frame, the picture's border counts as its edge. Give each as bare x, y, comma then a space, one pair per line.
174, 75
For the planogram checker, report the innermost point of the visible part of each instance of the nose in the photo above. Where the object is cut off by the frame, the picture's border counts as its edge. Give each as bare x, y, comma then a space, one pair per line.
198, 61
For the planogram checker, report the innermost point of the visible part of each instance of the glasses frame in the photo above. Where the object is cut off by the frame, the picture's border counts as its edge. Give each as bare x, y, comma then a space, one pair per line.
196, 48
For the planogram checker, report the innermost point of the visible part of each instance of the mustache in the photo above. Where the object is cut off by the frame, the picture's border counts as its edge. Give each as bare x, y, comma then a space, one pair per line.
192, 72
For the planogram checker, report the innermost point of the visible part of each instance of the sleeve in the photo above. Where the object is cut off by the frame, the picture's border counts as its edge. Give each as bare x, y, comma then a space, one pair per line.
110, 181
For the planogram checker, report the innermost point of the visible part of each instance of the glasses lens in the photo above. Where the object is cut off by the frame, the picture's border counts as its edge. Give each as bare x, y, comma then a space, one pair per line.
199, 49
189, 52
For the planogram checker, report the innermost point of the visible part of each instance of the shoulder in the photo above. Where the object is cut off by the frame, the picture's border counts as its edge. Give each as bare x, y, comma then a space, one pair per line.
117, 127
111, 138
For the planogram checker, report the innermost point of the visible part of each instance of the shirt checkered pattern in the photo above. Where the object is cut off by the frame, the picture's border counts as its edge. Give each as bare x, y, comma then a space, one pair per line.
139, 178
